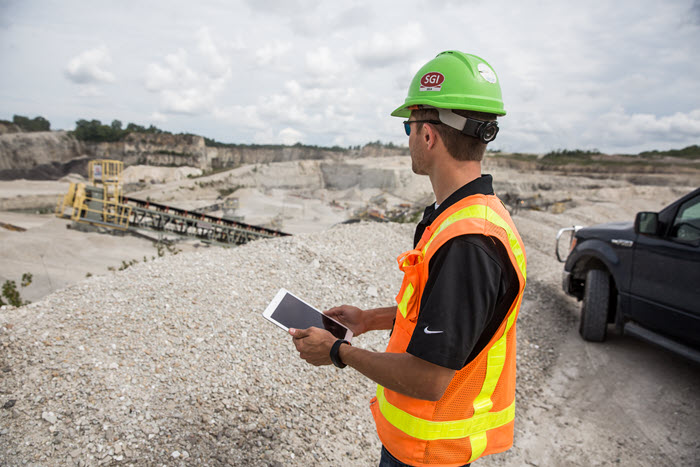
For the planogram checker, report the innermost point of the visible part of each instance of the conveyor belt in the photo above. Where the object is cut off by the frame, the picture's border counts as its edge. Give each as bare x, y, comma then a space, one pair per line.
101, 203
161, 217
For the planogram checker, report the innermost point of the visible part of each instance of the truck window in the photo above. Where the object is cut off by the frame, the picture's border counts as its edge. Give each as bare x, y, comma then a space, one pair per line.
686, 225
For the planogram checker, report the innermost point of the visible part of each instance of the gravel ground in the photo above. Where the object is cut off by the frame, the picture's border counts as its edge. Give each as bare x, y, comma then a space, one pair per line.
170, 362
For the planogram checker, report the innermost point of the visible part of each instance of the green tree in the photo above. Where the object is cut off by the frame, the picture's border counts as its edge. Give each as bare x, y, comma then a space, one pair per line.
94, 130
133, 127
34, 124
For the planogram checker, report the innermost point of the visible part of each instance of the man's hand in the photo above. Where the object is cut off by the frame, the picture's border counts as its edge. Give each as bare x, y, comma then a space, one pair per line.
350, 316
314, 345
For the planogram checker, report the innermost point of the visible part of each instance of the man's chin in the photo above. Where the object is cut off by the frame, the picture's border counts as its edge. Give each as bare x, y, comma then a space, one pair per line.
418, 170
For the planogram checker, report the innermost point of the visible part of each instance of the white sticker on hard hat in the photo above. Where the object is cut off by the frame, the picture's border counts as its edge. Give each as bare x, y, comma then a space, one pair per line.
432, 81
487, 73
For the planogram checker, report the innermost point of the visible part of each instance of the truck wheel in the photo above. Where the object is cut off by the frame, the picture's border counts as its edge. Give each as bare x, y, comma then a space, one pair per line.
594, 310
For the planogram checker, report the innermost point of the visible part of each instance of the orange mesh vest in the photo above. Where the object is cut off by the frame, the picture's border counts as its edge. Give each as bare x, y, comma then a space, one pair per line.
475, 415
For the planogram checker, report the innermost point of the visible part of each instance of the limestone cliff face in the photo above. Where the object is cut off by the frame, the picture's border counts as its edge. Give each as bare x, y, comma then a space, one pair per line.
24, 151
154, 149
47, 155
341, 176
7, 127
228, 157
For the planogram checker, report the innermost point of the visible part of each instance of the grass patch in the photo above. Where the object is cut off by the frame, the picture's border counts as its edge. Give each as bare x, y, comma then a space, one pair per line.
689, 152
224, 192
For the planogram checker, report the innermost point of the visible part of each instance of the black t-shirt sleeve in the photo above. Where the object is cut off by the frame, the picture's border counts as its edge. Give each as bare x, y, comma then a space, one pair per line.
467, 281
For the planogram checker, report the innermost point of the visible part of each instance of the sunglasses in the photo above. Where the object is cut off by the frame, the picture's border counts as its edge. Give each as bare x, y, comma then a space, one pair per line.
407, 124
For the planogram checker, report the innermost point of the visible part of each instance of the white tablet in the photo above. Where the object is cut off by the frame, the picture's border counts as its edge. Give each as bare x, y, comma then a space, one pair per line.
288, 311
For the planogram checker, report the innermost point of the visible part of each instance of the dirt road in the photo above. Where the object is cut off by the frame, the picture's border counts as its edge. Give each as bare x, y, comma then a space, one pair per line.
620, 402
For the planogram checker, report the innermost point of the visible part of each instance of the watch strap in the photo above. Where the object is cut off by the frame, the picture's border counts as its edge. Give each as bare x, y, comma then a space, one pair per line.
335, 353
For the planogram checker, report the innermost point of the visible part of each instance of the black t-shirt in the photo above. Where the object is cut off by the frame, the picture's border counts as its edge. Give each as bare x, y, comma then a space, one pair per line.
470, 288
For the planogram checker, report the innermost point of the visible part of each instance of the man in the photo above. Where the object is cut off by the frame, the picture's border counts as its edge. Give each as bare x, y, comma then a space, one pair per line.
446, 383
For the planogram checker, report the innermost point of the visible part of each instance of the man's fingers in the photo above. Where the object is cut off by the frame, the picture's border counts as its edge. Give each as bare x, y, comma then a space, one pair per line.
299, 333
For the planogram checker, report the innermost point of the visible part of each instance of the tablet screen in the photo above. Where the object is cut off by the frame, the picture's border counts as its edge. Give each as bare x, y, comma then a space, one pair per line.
293, 313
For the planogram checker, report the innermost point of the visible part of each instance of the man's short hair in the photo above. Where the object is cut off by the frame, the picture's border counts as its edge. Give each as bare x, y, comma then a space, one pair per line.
459, 145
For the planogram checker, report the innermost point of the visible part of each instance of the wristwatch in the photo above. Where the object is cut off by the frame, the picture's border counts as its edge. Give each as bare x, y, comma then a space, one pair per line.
335, 353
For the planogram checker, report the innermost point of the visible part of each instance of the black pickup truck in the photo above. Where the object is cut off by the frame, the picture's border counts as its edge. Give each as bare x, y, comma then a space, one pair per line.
644, 276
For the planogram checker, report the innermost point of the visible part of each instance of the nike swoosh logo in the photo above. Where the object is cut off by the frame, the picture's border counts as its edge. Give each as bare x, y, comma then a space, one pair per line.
431, 332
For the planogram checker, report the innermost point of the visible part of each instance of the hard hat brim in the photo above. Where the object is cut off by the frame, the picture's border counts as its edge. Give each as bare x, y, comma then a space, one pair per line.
404, 110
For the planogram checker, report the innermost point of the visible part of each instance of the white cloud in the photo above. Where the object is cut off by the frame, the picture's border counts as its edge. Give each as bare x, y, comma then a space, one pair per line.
322, 62
290, 136
216, 63
616, 130
264, 136
283, 8
334, 72
386, 49
325, 68
272, 52
90, 90
625, 129
158, 117
240, 117
190, 86
168, 75
328, 20
89, 67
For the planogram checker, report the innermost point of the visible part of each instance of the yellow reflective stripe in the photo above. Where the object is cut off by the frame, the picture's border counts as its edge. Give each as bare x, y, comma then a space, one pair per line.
403, 305
475, 210
430, 430
496, 359
494, 366
511, 317
478, 443
480, 211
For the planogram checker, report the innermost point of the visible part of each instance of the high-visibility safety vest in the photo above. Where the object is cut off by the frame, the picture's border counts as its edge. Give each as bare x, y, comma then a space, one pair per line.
475, 415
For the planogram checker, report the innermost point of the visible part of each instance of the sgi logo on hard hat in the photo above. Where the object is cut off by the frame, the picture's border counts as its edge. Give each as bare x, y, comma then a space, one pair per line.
432, 81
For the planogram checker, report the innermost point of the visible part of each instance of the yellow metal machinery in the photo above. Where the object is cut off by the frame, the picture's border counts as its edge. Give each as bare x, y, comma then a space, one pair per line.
101, 203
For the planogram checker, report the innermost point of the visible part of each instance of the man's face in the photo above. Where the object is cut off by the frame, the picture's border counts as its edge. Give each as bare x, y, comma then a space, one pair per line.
416, 146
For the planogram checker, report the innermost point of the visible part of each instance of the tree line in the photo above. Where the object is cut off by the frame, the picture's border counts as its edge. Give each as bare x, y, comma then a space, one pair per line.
30, 124
95, 131
85, 130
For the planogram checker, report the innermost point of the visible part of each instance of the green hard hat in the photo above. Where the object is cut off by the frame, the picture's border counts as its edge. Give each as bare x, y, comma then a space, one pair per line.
454, 80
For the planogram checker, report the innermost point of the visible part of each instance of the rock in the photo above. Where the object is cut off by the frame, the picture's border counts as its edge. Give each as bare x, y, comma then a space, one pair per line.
49, 417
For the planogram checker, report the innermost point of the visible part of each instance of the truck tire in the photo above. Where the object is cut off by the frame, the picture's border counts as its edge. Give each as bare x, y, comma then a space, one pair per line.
594, 310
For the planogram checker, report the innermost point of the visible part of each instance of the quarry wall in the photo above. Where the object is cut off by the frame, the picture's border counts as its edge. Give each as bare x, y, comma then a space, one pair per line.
53, 154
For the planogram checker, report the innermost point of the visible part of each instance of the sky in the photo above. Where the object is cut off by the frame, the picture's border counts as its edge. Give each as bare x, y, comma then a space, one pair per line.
618, 76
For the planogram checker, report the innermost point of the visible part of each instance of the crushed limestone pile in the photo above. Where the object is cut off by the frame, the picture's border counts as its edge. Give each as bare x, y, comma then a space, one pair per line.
170, 361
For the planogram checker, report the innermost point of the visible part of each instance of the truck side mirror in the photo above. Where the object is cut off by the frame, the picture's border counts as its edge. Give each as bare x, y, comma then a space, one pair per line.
646, 223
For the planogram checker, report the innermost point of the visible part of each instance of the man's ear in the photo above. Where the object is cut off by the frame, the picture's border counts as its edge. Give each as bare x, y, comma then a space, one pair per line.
430, 135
